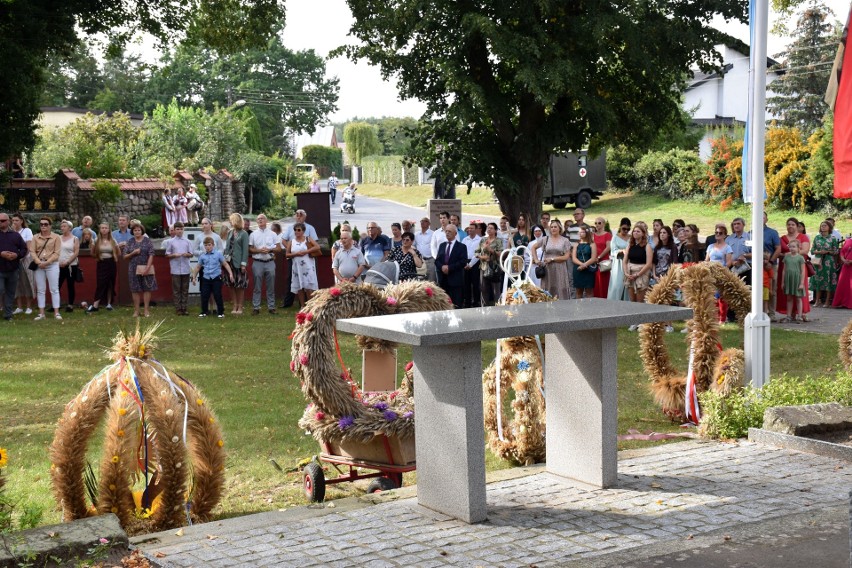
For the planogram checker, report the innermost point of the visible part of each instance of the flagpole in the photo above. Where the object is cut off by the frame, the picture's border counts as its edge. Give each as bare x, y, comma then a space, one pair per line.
757, 323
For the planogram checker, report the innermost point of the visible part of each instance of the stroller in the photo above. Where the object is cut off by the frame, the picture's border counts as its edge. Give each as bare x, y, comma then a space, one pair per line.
382, 274
348, 204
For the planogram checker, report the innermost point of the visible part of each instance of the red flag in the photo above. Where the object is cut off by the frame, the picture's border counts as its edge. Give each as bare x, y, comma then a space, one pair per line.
839, 98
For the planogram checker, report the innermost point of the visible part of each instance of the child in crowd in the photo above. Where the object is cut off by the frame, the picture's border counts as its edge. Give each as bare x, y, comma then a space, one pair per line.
210, 265
767, 281
794, 282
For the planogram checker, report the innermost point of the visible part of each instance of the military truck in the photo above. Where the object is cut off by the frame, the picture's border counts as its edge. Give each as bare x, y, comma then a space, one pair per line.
575, 178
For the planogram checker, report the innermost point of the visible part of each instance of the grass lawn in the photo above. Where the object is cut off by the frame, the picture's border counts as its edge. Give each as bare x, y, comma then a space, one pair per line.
241, 364
614, 206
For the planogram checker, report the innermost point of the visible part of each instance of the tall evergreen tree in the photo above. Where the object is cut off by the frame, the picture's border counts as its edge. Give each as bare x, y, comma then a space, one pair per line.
799, 92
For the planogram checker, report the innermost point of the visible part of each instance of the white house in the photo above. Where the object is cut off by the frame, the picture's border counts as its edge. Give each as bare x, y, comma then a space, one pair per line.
323, 136
719, 100
63, 116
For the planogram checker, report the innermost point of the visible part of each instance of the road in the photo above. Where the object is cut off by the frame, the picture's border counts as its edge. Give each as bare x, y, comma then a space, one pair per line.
384, 213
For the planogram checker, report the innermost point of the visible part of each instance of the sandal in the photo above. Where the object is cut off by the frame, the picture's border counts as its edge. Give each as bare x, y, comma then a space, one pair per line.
785, 320
804, 320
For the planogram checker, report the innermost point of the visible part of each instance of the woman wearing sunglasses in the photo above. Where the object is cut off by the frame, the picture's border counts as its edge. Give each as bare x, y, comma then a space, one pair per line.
44, 249
618, 246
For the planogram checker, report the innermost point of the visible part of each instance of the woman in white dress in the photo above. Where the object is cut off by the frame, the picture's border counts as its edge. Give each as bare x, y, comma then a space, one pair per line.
537, 233
620, 240
303, 280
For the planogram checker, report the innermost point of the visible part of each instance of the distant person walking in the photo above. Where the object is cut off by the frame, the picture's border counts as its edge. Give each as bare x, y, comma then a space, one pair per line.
332, 187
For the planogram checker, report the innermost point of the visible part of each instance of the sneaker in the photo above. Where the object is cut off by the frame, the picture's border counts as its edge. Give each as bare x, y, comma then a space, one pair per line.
221, 316
669, 329
109, 307
272, 311
202, 315
38, 317
91, 309
28, 311
17, 311
683, 330
633, 327
69, 308
57, 316
255, 311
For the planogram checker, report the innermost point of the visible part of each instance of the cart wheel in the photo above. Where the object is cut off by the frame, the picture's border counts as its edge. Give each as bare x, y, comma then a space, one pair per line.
314, 482
380, 484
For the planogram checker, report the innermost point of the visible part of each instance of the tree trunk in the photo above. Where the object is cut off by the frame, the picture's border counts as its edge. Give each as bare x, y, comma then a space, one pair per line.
527, 200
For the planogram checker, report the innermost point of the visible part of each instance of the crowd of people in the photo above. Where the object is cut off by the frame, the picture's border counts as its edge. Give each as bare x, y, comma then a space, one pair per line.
576, 259
570, 260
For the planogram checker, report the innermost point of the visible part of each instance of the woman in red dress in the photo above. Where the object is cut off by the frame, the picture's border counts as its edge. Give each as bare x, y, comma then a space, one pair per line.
843, 294
804, 248
603, 240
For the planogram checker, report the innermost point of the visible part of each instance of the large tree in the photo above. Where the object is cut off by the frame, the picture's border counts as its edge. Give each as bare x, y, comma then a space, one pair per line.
800, 91
508, 83
287, 90
34, 32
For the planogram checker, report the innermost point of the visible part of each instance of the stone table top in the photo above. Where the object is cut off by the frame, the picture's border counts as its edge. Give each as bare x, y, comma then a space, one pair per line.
495, 322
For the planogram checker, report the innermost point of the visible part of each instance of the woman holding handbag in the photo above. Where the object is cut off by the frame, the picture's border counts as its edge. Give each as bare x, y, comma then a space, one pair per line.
603, 242
139, 251
106, 255
44, 249
488, 251
68, 262
557, 252
584, 257
825, 249
301, 248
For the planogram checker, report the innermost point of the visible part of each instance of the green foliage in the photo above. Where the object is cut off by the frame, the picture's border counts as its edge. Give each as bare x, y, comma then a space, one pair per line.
732, 416
821, 166
394, 133
94, 146
286, 90
325, 158
106, 192
799, 92
250, 24
361, 141
674, 173
179, 137
507, 84
620, 167
388, 170
255, 171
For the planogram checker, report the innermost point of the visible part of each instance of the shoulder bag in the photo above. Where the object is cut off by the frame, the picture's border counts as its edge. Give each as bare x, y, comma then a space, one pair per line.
33, 265
540, 269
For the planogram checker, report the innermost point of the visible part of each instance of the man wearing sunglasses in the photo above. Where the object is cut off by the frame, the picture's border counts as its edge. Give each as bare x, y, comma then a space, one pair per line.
12, 250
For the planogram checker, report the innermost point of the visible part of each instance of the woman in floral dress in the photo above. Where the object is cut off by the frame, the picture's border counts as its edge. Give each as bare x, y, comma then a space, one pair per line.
303, 281
825, 250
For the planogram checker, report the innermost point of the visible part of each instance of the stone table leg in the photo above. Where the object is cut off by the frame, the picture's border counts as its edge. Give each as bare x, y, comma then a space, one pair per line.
449, 428
582, 406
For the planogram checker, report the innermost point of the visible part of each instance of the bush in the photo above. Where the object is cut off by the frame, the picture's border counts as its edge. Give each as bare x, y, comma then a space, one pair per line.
732, 416
335, 232
722, 179
673, 173
387, 170
620, 164
787, 158
325, 158
283, 202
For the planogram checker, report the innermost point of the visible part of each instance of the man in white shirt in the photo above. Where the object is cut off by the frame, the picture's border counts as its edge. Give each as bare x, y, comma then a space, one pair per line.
505, 232
263, 244
439, 236
423, 243
332, 187
349, 262
470, 294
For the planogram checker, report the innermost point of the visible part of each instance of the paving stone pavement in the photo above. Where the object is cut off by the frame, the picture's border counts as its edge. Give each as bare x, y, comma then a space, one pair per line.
670, 498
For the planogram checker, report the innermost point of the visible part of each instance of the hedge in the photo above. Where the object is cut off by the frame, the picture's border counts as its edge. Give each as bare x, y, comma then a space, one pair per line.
325, 158
387, 170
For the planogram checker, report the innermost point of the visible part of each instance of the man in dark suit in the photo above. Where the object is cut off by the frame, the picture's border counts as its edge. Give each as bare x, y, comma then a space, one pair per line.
449, 264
